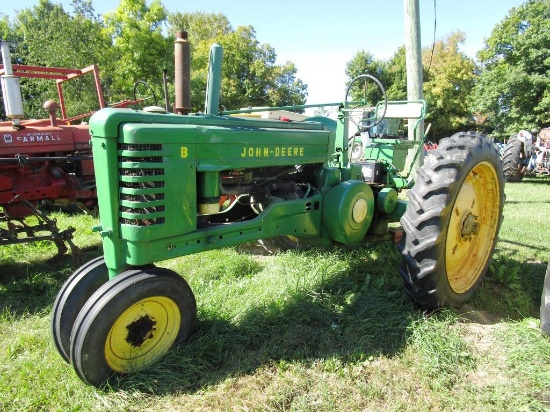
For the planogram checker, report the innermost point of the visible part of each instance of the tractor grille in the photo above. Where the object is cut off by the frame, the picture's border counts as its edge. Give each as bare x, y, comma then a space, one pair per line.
139, 147
141, 185
140, 172
142, 198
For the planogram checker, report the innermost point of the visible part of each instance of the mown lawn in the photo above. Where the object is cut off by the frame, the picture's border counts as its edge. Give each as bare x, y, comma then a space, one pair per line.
303, 331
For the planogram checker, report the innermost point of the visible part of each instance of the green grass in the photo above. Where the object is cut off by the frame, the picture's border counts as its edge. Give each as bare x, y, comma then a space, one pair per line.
303, 331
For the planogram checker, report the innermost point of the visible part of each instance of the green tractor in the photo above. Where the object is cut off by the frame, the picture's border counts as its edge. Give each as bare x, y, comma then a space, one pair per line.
171, 185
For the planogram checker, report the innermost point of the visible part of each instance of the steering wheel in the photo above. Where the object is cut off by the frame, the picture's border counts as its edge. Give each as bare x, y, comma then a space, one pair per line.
361, 108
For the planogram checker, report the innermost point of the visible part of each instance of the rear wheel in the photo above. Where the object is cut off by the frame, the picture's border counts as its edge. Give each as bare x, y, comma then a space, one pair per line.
130, 323
513, 159
452, 221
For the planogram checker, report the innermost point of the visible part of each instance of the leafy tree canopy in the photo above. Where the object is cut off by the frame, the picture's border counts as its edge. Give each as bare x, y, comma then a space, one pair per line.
250, 75
46, 35
134, 43
448, 79
513, 88
363, 62
140, 50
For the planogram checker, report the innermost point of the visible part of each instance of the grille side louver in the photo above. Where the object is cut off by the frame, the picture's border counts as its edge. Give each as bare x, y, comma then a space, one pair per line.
141, 185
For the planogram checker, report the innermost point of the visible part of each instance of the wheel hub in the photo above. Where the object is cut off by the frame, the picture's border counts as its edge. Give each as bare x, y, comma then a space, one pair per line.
470, 226
140, 330
142, 333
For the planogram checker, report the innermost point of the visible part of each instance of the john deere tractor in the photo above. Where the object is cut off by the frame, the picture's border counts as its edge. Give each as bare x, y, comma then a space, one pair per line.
171, 185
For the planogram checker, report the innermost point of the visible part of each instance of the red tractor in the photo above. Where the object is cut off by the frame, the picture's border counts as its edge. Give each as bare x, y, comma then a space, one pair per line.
45, 161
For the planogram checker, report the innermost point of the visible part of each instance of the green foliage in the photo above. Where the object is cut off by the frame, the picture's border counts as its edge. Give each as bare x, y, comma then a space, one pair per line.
140, 50
364, 63
513, 90
130, 45
397, 76
47, 35
250, 75
201, 26
504, 275
448, 80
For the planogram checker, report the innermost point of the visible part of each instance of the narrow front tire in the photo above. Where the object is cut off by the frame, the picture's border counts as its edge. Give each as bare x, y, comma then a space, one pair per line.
130, 323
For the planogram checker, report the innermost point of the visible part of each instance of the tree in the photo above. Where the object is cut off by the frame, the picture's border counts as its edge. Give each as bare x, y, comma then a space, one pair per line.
363, 62
130, 45
46, 35
448, 81
396, 75
199, 25
140, 50
513, 89
250, 75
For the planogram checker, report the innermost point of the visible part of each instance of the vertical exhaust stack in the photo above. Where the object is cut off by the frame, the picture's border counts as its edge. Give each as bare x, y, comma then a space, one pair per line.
11, 90
182, 55
214, 81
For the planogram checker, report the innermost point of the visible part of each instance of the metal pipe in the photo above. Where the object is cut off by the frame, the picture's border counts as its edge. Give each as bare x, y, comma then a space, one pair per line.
182, 76
291, 108
51, 106
214, 82
11, 89
165, 85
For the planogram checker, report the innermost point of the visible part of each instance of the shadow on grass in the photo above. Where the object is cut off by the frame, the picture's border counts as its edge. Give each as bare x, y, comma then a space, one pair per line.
31, 287
342, 319
520, 202
334, 321
542, 180
511, 290
530, 246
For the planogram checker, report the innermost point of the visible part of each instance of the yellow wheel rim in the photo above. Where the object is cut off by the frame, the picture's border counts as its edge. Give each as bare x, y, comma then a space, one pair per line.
472, 227
142, 334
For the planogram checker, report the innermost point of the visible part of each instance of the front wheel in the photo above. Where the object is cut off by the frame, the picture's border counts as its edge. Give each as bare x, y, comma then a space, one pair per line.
452, 221
131, 322
71, 298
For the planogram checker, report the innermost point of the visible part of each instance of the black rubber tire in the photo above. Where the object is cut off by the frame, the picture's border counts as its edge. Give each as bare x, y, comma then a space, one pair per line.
134, 290
433, 275
71, 298
512, 159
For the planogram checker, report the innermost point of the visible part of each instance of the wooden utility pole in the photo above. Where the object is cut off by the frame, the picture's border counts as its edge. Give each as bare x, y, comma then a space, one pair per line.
413, 58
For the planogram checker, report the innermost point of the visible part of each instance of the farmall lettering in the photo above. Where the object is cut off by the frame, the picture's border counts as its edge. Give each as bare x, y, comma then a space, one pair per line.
38, 137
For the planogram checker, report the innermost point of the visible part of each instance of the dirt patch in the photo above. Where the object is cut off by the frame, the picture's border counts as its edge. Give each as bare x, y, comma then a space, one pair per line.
481, 317
480, 329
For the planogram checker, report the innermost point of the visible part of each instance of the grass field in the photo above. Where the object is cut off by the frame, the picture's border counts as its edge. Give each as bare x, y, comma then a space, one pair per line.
303, 331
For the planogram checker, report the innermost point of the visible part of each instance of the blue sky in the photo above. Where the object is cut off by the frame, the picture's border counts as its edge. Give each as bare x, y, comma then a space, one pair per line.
321, 36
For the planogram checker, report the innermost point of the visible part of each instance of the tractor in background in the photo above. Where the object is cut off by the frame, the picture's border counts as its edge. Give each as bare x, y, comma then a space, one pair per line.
527, 153
170, 185
46, 161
